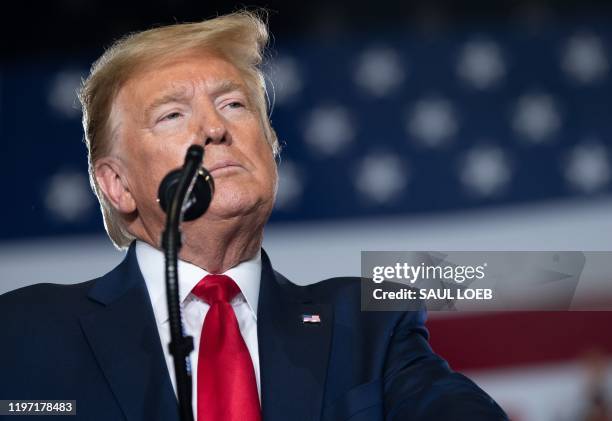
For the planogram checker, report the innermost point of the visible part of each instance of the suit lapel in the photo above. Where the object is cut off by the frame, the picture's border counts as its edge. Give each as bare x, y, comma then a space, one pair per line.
124, 339
293, 355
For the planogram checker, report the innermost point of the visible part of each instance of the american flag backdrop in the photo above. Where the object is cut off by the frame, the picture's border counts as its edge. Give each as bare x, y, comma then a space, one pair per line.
479, 137
396, 124
405, 124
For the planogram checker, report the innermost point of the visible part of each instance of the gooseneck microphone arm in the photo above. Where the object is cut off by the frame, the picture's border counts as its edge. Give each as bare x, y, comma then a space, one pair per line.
184, 194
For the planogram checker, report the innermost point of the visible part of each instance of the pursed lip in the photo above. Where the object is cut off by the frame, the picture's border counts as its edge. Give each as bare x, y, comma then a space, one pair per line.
223, 164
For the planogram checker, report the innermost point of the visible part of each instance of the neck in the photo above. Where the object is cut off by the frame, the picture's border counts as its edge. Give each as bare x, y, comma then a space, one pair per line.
214, 244
222, 245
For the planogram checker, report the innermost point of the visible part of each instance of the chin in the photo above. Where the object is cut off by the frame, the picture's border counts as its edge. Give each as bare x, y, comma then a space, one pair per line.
232, 205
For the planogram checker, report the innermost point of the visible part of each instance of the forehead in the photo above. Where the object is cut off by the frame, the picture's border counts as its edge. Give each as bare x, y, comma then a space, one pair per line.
186, 74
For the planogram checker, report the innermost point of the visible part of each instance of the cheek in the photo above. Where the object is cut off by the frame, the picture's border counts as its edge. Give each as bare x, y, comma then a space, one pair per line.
145, 177
262, 151
153, 161
265, 166
273, 174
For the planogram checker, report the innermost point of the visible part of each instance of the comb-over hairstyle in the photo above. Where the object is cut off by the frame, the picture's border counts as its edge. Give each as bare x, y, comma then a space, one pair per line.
239, 38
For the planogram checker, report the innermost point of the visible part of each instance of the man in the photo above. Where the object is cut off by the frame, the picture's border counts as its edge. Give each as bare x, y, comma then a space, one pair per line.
265, 348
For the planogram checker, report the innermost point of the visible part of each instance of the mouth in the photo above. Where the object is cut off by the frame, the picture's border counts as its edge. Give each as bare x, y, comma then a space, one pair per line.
223, 166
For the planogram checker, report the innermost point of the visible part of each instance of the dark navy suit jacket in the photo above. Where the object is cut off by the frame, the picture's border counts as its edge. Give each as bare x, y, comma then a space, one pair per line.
97, 343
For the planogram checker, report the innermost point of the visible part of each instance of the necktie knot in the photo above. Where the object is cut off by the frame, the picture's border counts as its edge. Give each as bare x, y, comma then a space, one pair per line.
216, 288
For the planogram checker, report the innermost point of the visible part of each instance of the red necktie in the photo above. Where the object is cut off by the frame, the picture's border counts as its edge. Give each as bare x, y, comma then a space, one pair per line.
227, 389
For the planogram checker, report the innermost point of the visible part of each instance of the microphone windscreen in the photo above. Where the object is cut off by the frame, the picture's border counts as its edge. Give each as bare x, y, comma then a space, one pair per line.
198, 201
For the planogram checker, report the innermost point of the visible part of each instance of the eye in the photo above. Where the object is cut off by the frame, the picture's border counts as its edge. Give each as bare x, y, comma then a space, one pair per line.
171, 116
235, 104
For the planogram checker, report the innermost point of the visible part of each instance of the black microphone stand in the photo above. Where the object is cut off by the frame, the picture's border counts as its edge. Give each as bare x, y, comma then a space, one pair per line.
175, 188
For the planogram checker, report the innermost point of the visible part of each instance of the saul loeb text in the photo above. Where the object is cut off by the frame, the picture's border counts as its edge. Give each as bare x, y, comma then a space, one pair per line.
434, 294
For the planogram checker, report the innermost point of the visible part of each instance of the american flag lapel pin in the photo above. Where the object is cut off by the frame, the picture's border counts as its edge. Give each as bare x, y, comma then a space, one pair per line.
311, 318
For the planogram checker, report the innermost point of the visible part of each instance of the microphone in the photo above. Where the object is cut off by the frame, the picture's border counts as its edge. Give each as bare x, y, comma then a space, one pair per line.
184, 194
201, 187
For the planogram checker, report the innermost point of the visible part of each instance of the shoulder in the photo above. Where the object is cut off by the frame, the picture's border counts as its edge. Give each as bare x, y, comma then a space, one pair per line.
57, 301
337, 290
53, 299
331, 287
43, 316
37, 290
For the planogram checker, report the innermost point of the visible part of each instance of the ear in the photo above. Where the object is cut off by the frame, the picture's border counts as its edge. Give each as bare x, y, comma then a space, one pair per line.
111, 179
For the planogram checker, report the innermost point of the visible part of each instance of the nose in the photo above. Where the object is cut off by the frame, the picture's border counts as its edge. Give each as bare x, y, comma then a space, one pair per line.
215, 131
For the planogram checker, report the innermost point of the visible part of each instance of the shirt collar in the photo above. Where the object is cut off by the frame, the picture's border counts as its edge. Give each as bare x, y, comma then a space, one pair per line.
247, 276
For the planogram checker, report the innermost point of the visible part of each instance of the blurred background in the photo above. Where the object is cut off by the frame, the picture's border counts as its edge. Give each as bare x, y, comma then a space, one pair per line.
414, 125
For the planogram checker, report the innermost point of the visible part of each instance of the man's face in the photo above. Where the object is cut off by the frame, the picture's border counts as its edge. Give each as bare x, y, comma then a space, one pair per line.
194, 99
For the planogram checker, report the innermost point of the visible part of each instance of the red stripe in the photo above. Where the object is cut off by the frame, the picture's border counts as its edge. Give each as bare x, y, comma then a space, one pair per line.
495, 340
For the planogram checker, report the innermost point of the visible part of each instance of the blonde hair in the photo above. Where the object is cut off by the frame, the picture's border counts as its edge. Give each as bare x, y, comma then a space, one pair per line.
240, 38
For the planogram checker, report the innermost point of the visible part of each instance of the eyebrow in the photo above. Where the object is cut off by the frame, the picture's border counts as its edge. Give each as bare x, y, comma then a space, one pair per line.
226, 86
174, 96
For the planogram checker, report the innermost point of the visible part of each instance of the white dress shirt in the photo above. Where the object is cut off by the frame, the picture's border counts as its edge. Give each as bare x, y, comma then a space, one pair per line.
247, 276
